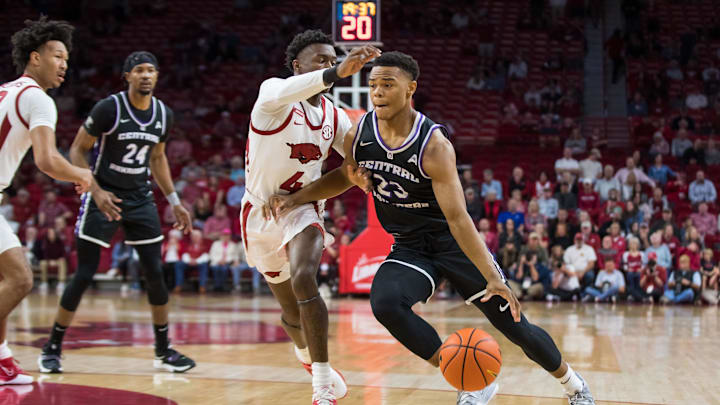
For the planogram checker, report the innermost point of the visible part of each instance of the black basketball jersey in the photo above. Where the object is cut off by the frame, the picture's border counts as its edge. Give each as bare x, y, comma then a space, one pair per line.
402, 191
127, 137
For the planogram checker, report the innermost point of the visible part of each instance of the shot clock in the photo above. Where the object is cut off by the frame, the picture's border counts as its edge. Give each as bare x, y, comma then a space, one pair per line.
356, 22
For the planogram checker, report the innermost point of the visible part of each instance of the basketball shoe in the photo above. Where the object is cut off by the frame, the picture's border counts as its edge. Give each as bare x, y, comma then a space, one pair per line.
339, 384
12, 374
173, 361
324, 395
582, 397
49, 360
481, 397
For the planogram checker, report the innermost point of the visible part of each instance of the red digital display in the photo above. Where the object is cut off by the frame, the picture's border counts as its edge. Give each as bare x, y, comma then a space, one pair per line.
356, 22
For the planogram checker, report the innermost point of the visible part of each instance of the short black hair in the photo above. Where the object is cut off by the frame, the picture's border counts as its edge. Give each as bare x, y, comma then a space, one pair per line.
36, 34
400, 60
302, 41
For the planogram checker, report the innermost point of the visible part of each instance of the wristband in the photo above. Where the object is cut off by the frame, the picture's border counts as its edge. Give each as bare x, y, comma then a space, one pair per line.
330, 75
173, 198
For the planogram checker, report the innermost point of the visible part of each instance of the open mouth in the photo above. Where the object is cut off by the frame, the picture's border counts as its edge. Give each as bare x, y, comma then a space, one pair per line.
61, 77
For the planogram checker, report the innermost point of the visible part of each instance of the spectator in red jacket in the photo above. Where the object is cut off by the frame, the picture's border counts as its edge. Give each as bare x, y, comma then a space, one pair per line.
519, 182
490, 237
653, 278
23, 207
51, 208
608, 252
588, 199
590, 238
219, 221
669, 239
195, 257
491, 207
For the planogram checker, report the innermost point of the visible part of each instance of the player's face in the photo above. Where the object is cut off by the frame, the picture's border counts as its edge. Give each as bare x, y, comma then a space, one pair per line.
391, 90
51, 62
142, 78
315, 57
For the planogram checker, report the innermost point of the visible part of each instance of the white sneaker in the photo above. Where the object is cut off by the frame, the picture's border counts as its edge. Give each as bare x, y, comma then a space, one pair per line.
60, 288
481, 397
324, 395
124, 289
582, 397
43, 289
338, 381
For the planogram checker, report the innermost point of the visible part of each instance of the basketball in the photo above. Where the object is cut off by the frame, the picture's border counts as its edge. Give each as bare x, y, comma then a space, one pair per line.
470, 359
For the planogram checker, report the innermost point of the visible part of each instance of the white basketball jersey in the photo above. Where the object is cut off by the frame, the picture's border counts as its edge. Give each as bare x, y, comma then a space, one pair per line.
284, 159
20, 111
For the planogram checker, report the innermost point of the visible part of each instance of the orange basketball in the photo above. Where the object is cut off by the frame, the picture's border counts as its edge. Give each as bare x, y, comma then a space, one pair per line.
470, 359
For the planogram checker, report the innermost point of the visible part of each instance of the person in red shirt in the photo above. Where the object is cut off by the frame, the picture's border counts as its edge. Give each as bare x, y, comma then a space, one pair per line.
653, 279
607, 209
589, 237
51, 208
677, 190
23, 206
490, 237
672, 242
340, 218
588, 199
608, 252
633, 262
615, 46
617, 238
195, 256
692, 250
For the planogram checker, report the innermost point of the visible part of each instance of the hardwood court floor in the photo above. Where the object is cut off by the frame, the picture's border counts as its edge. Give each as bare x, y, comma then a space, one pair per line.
630, 354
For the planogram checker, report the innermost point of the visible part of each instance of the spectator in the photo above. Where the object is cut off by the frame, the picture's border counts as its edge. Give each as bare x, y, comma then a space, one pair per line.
608, 252
31, 245
216, 224
237, 168
202, 210
576, 143
548, 205
669, 239
615, 47
710, 275
473, 204
518, 68
681, 143
223, 253
533, 95
51, 253
660, 172
567, 200
126, 260
541, 184
702, 190
653, 279
51, 208
531, 278
657, 204
660, 250
518, 182
567, 164
712, 154
490, 237
683, 284
490, 184
637, 107
172, 250
634, 261
467, 180
659, 146
533, 216
179, 149
630, 167
236, 192
491, 207
23, 208
703, 221
240, 265
477, 81
535, 247
588, 199
589, 237
194, 257
696, 100
565, 284
510, 235
674, 71
509, 256
224, 128
591, 168
609, 283
512, 213
580, 259
606, 183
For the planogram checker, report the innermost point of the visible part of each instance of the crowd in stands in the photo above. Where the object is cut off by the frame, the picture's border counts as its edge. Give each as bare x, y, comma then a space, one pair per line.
591, 232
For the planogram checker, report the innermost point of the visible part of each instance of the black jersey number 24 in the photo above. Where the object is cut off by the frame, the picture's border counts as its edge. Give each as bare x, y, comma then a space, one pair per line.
134, 155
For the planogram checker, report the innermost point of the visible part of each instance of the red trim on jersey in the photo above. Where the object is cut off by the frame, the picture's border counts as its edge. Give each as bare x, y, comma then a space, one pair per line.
245, 213
335, 115
274, 131
316, 225
17, 105
4, 130
313, 127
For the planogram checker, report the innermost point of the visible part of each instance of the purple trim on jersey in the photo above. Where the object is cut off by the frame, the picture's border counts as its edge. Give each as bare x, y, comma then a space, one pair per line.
422, 148
356, 138
407, 142
80, 214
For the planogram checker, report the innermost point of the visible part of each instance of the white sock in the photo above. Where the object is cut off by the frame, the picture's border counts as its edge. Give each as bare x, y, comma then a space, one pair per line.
321, 374
303, 355
5, 351
570, 382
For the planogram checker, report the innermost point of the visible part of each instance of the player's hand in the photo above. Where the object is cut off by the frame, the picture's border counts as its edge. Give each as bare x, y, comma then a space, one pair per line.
357, 58
183, 221
277, 205
497, 287
83, 184
105, 202
360, 177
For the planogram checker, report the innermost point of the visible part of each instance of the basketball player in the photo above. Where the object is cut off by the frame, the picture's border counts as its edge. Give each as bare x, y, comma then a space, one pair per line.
292, 129
132, 127
419, 200
27, 118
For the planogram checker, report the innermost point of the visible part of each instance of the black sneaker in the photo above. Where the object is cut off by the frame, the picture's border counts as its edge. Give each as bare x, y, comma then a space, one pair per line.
49, 360
173, 361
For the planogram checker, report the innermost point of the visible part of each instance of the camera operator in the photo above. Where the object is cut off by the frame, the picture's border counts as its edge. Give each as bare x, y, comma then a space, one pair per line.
684, 283
653, 278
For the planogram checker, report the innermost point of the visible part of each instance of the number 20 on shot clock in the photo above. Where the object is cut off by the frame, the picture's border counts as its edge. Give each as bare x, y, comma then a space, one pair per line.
356, 22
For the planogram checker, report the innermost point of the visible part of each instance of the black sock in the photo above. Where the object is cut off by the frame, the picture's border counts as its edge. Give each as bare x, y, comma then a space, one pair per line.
56, 337
161, 339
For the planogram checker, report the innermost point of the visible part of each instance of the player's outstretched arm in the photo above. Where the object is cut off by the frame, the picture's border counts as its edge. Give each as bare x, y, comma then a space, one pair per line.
333, 183
105, 200
161, 172
439, 163
52, 163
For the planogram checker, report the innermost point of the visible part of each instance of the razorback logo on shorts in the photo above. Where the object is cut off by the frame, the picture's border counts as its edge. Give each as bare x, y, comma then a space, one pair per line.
272, 274
304, 152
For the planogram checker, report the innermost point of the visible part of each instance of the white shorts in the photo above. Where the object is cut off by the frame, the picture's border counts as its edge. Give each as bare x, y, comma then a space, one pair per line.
8, 239
264, 241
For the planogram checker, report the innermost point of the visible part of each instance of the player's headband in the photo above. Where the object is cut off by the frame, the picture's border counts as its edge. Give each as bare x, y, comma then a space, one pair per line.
138, 58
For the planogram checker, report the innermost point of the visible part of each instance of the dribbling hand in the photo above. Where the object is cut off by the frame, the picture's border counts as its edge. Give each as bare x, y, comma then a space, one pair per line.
356, 59
497, 287
360, 177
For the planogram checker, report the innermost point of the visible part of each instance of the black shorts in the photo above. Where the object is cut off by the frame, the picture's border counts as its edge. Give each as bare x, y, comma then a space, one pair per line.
438, 257
140, 219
